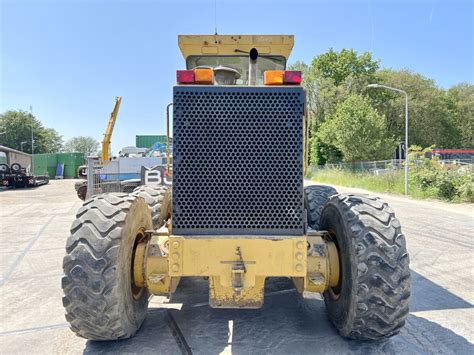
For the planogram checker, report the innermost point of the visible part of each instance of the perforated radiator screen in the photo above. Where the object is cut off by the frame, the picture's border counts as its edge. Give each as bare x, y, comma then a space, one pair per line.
238, 160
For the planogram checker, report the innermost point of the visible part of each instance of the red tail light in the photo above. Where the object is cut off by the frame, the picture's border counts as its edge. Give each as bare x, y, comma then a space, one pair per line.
185, 76
292, 77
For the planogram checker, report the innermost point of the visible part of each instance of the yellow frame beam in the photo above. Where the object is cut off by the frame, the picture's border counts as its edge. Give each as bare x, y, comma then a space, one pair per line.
236, 266
216, 256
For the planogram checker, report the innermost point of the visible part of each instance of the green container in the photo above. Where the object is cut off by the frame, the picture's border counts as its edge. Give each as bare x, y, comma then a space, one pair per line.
44, 170
51, 172
48, 163
70, 171
71, 161
47, 159
45, 164
148, 141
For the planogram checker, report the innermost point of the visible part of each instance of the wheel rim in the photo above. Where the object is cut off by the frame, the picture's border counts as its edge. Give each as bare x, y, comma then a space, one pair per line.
335, 292
137, 291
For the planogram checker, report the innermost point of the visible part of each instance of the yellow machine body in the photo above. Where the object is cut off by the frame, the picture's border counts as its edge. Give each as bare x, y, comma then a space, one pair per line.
237, 212
277, 45
236, 266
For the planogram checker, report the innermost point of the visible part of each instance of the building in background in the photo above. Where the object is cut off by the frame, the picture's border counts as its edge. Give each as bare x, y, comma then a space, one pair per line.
10, 156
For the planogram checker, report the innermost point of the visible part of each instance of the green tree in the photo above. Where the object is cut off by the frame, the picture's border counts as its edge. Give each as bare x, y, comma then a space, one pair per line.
82, 144
329, 80
444, 118
53, 139
431, 120
339, 66
325, 153
18, 126
358, 131
461, 107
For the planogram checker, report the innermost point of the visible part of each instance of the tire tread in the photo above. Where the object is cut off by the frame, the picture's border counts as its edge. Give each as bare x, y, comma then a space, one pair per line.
153, 196
383, 275
91, 294
316, 197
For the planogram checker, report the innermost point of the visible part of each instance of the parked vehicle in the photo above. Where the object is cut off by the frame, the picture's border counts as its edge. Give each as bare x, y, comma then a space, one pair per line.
238, 212
15, 176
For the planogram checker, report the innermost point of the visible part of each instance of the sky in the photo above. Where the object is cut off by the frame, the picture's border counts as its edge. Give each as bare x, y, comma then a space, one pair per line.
69, 59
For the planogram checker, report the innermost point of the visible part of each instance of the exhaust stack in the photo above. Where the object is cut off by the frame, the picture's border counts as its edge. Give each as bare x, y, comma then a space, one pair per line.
253, 55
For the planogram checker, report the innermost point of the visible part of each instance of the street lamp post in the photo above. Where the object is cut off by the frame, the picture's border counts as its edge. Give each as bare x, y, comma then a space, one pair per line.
32, 151
406, 126
32, 143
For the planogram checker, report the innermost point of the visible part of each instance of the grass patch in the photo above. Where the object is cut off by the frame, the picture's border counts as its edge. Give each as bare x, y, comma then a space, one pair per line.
393, 182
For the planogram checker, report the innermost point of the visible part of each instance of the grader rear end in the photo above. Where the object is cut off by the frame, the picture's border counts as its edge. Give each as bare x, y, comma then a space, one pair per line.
238, 212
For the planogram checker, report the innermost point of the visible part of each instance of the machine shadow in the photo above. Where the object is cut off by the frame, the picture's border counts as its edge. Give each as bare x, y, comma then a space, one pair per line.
287, 324
428, 296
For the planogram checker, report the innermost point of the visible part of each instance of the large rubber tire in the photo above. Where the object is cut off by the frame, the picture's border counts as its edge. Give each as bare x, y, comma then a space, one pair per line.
15, 168
129, 188
371, 300
81, 189
100, 301
316, 197
154, 196
82, 172
4, 169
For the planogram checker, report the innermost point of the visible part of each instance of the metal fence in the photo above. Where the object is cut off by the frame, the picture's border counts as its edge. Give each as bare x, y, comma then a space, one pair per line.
382, 166
467, 161
393, 164
125, 174
102, 176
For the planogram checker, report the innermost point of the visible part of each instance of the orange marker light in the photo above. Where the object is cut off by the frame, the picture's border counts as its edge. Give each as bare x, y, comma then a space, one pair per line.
273, 77
204, 76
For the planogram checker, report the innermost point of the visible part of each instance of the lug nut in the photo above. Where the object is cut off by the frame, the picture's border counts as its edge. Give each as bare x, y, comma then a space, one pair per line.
175, 267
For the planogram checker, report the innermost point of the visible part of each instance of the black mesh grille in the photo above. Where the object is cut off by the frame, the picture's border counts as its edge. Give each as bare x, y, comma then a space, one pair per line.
237, 160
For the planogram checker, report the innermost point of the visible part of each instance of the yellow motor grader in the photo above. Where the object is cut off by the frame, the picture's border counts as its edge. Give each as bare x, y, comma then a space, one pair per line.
238, 212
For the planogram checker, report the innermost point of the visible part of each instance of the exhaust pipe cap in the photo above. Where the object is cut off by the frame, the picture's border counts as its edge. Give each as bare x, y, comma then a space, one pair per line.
253, 54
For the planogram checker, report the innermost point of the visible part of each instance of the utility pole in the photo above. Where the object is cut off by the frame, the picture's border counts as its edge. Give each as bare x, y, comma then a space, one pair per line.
32, 142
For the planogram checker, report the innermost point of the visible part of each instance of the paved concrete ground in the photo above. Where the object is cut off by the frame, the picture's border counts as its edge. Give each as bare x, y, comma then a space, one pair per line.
34, 225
